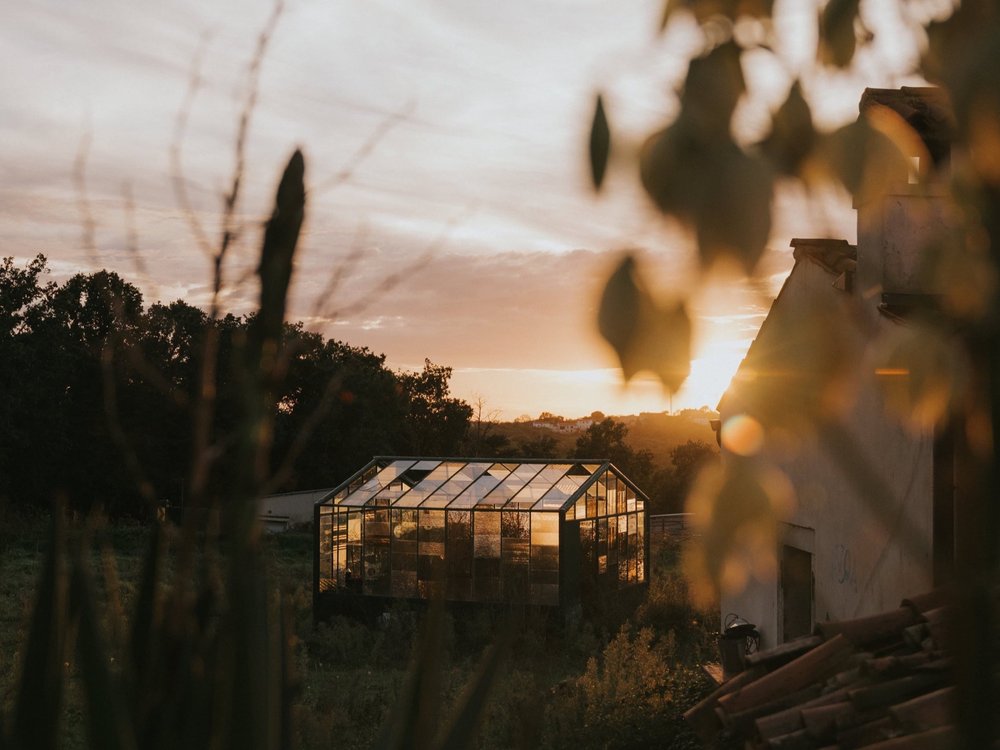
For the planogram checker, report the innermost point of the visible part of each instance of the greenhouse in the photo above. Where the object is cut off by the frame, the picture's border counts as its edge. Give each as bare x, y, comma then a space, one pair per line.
549, 533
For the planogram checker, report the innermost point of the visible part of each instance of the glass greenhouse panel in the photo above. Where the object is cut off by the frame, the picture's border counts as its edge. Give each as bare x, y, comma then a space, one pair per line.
560, 493
476, 492
544, 558
486, 562
601, 489
404, 552
511, 485
325, 550
481, 531
515, 535
458, 553
429, 484
458, 483
539, 485
430, 575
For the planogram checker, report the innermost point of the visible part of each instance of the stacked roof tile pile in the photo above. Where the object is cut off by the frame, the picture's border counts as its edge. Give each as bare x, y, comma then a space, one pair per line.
880, 682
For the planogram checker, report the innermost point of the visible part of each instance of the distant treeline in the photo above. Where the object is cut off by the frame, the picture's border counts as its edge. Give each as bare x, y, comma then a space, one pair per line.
99, 393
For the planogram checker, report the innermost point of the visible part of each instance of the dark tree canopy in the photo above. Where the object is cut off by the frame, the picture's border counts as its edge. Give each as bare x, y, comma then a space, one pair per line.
607, 439
98, 392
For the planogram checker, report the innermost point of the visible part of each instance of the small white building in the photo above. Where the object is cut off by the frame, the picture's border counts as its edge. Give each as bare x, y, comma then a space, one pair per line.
279, 512
875, 514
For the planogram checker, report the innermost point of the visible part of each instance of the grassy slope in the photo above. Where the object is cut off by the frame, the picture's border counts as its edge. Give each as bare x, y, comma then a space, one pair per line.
657, 433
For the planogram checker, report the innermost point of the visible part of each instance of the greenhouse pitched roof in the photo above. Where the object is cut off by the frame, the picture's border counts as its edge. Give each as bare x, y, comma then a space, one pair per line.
464, 484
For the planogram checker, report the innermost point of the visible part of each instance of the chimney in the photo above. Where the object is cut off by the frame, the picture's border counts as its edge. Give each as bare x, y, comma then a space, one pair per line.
900, 228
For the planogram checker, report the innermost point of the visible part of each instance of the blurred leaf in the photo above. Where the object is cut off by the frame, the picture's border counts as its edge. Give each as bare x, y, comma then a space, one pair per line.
145, 632
290, 683
938, 52
984, 135
281, 236
865, 160
644, 335
37, 713
837, 37
694, 171
705, 10
957, 262
108, 720
670, 167
250, 654
412, 722
712, 186
736, 509
734, 221
922, 372
472, 704
713, 87
600, 144
792, 135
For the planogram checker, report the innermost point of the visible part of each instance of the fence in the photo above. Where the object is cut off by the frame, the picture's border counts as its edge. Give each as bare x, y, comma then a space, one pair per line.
676, 526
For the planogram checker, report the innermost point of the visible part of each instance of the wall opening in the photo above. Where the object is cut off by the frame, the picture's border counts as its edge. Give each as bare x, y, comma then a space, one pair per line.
796, 591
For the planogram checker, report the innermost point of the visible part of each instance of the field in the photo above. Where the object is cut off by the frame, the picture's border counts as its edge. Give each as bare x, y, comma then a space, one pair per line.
617, 683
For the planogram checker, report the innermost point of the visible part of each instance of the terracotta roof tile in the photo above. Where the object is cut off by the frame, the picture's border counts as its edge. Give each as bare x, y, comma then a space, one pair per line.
880, 681
866, 631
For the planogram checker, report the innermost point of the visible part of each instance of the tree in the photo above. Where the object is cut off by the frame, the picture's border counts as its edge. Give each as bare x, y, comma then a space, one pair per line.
606, 439
688, 459
669, 485
341, 405
545, 446
435, 423
482, 439
25, 379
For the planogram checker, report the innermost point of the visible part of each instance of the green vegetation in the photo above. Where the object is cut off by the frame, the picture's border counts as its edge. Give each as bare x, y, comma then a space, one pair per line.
603, 684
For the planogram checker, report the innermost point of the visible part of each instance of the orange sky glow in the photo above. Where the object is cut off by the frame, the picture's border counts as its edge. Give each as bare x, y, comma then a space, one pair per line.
445, 143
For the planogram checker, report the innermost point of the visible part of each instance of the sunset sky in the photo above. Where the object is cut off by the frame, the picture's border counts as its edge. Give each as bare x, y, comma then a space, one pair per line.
445, 143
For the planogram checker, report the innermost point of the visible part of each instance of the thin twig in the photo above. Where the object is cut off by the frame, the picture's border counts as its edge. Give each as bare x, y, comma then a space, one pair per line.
230, 228
176, 162
132, 240
89, 225
366, 149
205, 455
390, 282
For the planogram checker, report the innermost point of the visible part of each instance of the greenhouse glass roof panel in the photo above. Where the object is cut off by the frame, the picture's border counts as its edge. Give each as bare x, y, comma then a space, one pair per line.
456, 485
373, 486
511, 485
429, 484
465, 484
561, 492
533, 491
481, 487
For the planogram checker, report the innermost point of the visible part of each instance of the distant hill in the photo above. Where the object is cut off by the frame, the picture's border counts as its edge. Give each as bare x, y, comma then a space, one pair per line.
657, 432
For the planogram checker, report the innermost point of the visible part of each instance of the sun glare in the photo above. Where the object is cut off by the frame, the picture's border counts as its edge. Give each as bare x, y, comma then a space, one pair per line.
576, 393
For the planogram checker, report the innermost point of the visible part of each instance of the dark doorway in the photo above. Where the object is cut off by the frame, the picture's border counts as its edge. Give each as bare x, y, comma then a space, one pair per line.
796, 593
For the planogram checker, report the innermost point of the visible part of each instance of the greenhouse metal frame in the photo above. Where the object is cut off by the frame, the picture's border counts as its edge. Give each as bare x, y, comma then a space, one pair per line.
553, 533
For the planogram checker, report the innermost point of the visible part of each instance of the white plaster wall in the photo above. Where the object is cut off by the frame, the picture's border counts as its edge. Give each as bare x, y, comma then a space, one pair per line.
870, 552
866, 558
757, 603
895, 235
296, 506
